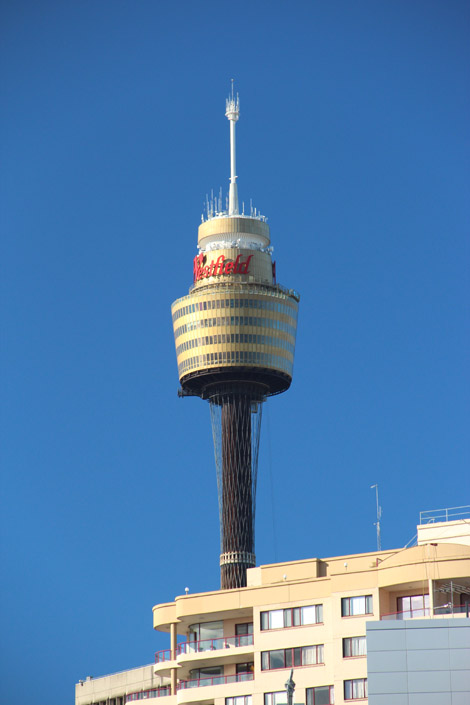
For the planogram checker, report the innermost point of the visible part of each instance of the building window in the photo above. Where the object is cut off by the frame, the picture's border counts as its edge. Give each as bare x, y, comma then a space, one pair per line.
207, 675
292, 617
278, 698
412, 606
288, 658
244, 634
353, 606
206, 636
246, 628
354, 646
245, 671
322, 695
355, 689
239, 700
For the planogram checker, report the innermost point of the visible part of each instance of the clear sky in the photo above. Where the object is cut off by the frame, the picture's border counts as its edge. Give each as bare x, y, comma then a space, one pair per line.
353, 139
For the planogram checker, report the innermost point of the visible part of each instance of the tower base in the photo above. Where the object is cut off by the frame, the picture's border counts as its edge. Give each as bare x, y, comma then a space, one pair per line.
233, 567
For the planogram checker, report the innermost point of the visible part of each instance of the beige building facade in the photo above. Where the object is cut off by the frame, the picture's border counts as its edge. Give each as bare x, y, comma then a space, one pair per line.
237, 647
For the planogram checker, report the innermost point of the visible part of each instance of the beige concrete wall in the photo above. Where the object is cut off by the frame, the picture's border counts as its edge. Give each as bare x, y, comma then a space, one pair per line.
445, 532
118, 684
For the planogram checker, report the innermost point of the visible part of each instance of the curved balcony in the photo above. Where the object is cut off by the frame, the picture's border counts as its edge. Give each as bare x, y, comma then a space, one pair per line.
220, 651
225, 642
164, 661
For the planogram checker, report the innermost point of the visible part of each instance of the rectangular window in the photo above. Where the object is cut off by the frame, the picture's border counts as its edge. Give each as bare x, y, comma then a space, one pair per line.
292, 617
244, 634
321, 695
354, 606
246, 628
355, 689
288, 658
239, 700
278, 698
354, 646
244, 671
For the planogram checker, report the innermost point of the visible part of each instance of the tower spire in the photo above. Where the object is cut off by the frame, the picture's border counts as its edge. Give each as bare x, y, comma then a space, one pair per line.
232, 112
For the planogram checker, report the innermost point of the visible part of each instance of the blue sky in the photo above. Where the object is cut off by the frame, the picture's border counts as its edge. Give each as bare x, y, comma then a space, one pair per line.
353, 140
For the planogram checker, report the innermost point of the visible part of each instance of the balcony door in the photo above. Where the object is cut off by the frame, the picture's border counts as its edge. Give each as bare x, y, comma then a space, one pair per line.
206, 636
412, 606
244, 634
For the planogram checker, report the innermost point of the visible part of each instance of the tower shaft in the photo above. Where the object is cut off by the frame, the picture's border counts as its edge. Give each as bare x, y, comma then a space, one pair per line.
237, 493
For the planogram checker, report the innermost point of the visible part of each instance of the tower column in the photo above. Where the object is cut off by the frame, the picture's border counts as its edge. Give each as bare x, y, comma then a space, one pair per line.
237, 494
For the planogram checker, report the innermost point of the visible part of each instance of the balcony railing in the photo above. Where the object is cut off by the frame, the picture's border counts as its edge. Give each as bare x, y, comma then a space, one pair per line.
422, 612
453, 609
439, 515
226, 642
145, 694
164, 655
407, 614
195, 647
215, 680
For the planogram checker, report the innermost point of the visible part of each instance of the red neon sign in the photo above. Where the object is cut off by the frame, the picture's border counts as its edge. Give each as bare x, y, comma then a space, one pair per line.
220, 266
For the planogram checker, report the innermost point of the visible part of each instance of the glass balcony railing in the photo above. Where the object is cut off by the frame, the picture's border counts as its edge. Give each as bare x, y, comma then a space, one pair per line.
164, 655
215, 680
453, 609
226, 642
195, 647
424, 612
419, 613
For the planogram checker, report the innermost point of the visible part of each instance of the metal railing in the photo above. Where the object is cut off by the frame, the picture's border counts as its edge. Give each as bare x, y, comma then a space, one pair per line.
226, 642
418, 613
453, 609
145, 694
215, 680
450, 514
164, 655
238, 287
195, 647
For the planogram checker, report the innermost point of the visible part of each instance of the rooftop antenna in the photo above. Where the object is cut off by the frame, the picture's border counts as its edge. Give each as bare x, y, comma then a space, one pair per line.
232, 112
379, 515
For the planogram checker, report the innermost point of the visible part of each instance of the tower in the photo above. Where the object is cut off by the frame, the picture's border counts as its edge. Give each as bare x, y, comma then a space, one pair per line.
235, 339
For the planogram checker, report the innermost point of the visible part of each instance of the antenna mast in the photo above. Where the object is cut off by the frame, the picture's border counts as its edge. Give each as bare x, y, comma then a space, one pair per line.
232, 112
379, 516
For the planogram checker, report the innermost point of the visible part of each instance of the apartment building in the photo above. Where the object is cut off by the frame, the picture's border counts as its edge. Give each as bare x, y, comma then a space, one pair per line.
238, 646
